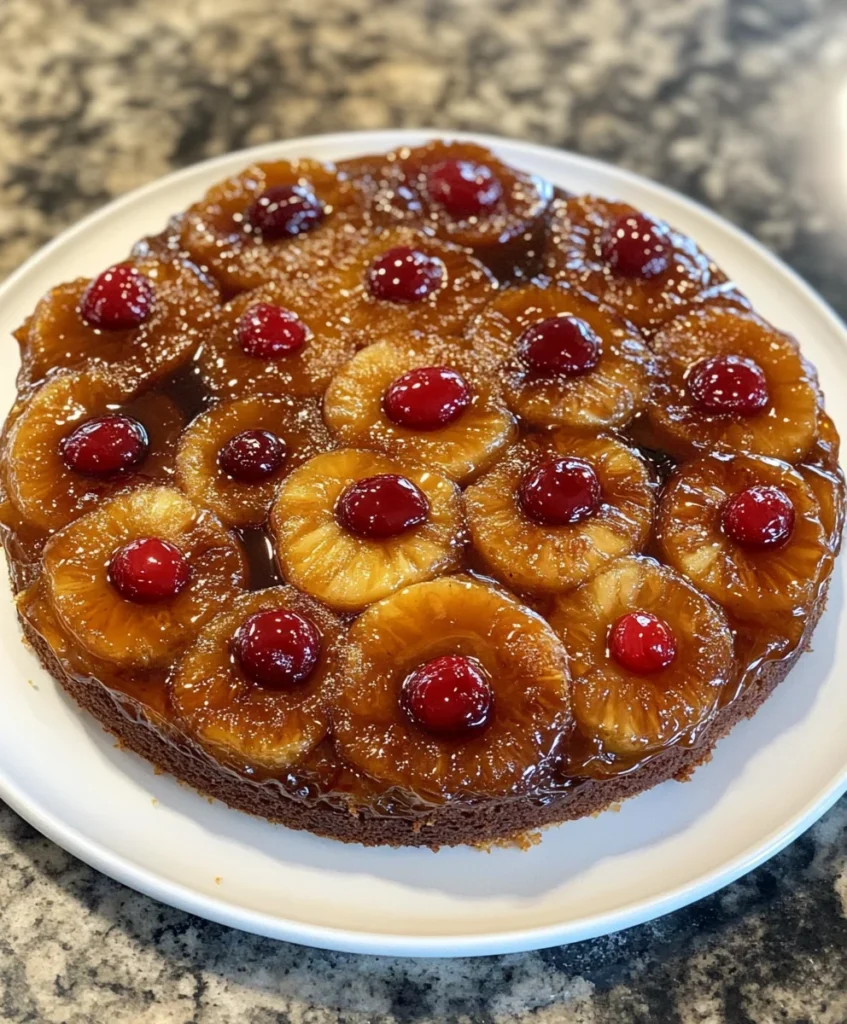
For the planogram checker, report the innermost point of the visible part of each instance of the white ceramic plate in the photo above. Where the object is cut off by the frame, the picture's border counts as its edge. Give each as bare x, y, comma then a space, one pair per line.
768, 781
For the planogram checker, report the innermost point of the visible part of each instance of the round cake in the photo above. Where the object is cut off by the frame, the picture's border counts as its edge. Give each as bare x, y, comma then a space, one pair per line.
410, 500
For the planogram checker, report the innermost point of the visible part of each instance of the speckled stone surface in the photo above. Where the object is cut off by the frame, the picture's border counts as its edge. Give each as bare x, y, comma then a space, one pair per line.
741, 105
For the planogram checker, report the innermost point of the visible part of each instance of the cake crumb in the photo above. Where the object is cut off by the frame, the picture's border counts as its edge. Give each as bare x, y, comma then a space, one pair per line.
522, 841
615, 806
218, 879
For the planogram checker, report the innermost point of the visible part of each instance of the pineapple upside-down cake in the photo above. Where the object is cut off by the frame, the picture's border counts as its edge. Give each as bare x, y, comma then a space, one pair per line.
410, 500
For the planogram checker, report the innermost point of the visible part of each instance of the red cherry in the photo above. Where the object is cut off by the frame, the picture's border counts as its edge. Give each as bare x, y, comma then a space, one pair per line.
403, 274
119, 299
427, 398
148, 569
449, 696
759, 517
562, 346
728, 384
464, 188
637, 246
270, 332
252, 456
382, 506
285, 211
104, 445
560, 492
642, 642
278, 648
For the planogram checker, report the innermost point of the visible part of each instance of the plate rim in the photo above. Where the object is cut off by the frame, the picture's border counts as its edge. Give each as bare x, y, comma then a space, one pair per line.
222, 911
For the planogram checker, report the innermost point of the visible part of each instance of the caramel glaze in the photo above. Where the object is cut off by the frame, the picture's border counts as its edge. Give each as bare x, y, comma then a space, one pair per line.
322, 777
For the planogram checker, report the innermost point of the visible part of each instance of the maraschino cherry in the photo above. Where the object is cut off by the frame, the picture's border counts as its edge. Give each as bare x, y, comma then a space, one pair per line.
403, 274
427, 398
759, 517
118, 299
148, 570
252, 456
561, 346
449, 696
379, 507
278, 648
284, 211
642, 642
560, 492
105, 445
728, 384
464, 188
270, 332
636, 246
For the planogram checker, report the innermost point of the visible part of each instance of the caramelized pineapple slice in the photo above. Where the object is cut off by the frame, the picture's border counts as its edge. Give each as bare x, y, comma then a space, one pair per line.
566, 360
131, 602
40, 477
746, 530
648, 652
639, 265
353, 526
821, 471
557, 508
395, 283
253, 688
420, 402
729, 381
233, 456
487, 740
247, 229
160, 334
275, 340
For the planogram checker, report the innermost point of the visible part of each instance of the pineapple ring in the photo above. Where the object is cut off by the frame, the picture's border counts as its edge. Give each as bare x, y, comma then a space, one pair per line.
237, 503
822, 473
629, 713
784, 429
148, 687
354, 412
606, 397
244, 722
348, 572
57, 336
228, 371
44, 490
397, 190
526, 666
574, 254
773, 587
550, 559
76, 567
214, 233
338, 265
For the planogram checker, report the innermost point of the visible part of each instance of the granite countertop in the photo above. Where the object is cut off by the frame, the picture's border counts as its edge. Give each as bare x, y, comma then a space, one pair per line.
742, 105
